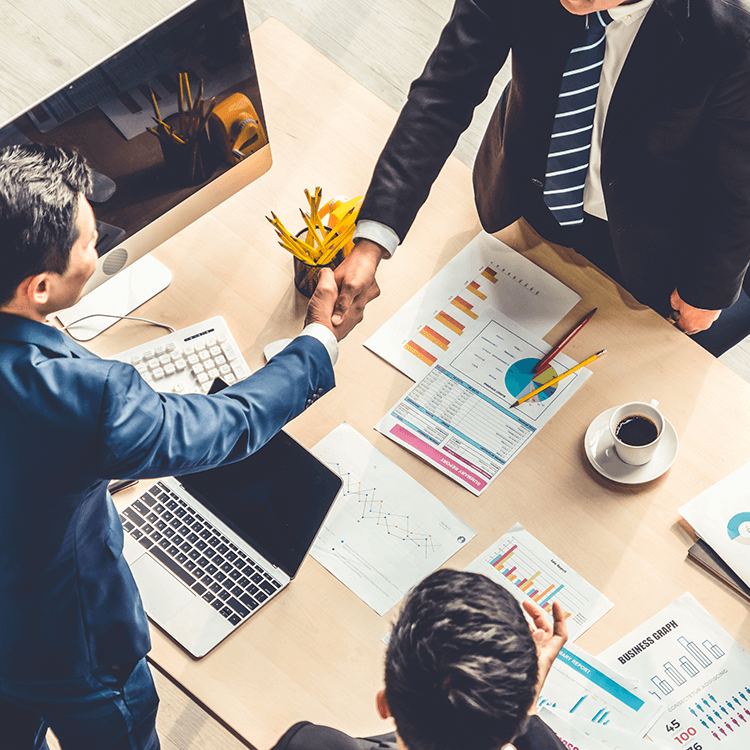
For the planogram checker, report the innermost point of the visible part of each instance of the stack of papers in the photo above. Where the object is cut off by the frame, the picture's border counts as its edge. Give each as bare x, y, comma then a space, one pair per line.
721, 518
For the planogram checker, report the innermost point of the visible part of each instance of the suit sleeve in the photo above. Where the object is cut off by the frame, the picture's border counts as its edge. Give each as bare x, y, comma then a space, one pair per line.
711, 277
144, 434
439, 108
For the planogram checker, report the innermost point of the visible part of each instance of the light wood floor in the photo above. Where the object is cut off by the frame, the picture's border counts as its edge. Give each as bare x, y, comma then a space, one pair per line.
383, 44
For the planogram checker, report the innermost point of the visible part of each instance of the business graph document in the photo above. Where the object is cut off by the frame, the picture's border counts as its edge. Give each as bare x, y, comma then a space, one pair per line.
385, 532
519, 562
721, 517
486, 274
458, 416
696, 670
581, 686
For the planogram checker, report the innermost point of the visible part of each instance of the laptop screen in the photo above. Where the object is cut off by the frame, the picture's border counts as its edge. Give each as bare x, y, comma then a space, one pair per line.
277, 499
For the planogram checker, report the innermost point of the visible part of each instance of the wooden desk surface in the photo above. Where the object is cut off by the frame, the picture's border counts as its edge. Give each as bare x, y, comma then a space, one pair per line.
315, 652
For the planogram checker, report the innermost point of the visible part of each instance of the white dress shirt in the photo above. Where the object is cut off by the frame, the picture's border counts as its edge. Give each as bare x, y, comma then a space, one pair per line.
626, 20
325, 336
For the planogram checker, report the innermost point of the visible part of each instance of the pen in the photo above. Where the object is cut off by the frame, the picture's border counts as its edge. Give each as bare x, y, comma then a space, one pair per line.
549, 357
559, 378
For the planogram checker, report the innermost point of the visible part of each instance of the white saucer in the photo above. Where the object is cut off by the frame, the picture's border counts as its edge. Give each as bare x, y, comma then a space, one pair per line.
600, 451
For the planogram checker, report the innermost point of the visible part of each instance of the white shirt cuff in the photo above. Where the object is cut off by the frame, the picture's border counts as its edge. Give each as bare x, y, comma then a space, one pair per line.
325, 336
377, 232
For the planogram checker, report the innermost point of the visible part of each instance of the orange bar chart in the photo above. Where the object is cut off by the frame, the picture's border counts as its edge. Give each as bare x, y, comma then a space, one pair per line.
474, 288
490, 275
421, 353
436, 338
450, 322
464, 307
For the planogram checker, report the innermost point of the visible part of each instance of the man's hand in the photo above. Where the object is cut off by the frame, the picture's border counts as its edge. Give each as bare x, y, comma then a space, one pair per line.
688, 318
320, 308
549, 639
355, 278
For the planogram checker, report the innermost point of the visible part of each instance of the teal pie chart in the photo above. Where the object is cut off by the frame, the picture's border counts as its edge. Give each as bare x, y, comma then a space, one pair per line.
738, 528
520, 380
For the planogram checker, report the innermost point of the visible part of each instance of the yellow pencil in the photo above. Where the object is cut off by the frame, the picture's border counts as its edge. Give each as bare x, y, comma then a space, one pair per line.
559, 378
313, 238
334, 248
296, 253
153, 101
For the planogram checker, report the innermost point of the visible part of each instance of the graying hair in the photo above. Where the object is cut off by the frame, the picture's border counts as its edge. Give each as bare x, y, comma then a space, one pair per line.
39, 189
461, 665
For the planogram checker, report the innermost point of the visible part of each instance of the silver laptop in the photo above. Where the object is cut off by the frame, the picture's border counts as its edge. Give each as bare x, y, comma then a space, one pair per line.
209, 549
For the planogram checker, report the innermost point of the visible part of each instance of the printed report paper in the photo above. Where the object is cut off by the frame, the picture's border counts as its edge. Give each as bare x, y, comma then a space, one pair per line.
578, 733
458, 417
385, 532
485, 275
582, 686
520, 563
698, 672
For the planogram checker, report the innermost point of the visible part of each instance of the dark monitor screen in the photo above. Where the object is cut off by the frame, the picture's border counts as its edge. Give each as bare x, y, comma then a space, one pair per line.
277, 499
106, 114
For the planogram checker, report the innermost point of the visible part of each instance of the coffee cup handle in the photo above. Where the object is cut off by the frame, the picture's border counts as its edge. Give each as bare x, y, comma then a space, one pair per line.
654, 403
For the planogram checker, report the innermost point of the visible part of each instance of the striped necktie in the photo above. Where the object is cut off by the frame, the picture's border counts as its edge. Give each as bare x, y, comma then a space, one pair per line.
570, 145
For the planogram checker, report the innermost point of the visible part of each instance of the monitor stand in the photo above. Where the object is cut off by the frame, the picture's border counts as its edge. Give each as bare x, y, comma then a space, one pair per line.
118, 296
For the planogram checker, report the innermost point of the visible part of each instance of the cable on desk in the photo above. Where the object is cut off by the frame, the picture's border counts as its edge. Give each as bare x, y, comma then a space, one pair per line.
119, 317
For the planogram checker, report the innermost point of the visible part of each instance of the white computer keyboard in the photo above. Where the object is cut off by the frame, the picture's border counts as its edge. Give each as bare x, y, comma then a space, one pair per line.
188, 361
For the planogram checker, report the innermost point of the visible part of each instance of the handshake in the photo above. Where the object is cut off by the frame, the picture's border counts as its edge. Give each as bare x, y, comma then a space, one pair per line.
340, 298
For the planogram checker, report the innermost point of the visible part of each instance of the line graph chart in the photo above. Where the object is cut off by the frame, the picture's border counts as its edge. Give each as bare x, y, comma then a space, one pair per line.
385, 532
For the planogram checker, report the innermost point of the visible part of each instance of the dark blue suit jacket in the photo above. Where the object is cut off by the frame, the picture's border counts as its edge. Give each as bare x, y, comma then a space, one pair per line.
674, 165
69, 422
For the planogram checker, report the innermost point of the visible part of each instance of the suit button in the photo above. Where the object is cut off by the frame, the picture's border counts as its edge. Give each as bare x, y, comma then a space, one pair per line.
536, 182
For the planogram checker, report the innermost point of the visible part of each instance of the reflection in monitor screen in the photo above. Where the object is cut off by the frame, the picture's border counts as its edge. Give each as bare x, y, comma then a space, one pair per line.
172, 124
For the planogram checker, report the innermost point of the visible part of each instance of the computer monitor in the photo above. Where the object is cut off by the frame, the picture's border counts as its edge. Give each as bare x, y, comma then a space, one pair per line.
156, 170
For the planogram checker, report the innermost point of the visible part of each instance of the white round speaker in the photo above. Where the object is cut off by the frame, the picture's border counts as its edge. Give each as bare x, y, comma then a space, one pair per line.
114, 261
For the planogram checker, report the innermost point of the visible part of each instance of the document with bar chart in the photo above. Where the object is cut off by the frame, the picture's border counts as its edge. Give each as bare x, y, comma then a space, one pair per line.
385, 532
486, 274
583, 734
458, 417
580, 686
695, 670
523, 565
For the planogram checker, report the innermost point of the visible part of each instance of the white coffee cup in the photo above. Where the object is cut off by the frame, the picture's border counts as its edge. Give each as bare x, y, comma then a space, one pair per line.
632, 424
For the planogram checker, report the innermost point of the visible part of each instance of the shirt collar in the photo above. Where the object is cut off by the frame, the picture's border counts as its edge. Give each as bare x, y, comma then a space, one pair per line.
18, 328
630, 13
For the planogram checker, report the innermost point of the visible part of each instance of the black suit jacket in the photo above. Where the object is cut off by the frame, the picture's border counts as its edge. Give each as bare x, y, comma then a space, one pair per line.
675, 149
307, 736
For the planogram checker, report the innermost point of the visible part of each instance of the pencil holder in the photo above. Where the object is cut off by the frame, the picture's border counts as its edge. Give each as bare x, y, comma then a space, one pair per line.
189, 163
306, 275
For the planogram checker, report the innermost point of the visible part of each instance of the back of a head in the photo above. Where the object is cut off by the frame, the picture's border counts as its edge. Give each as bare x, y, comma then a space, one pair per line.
461, 665
39, 189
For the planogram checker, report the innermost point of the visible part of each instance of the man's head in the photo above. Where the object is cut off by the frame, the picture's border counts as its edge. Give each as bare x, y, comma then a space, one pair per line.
461, 665
47, 228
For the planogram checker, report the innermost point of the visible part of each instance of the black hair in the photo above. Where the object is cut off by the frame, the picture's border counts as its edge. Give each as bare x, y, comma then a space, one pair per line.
461, 665
39, 189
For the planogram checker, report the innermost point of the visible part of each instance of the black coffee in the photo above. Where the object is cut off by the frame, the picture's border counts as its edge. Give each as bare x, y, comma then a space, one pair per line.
636, 430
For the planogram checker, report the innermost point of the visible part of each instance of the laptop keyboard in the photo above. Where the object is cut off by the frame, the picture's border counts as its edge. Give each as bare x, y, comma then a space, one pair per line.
198, 553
